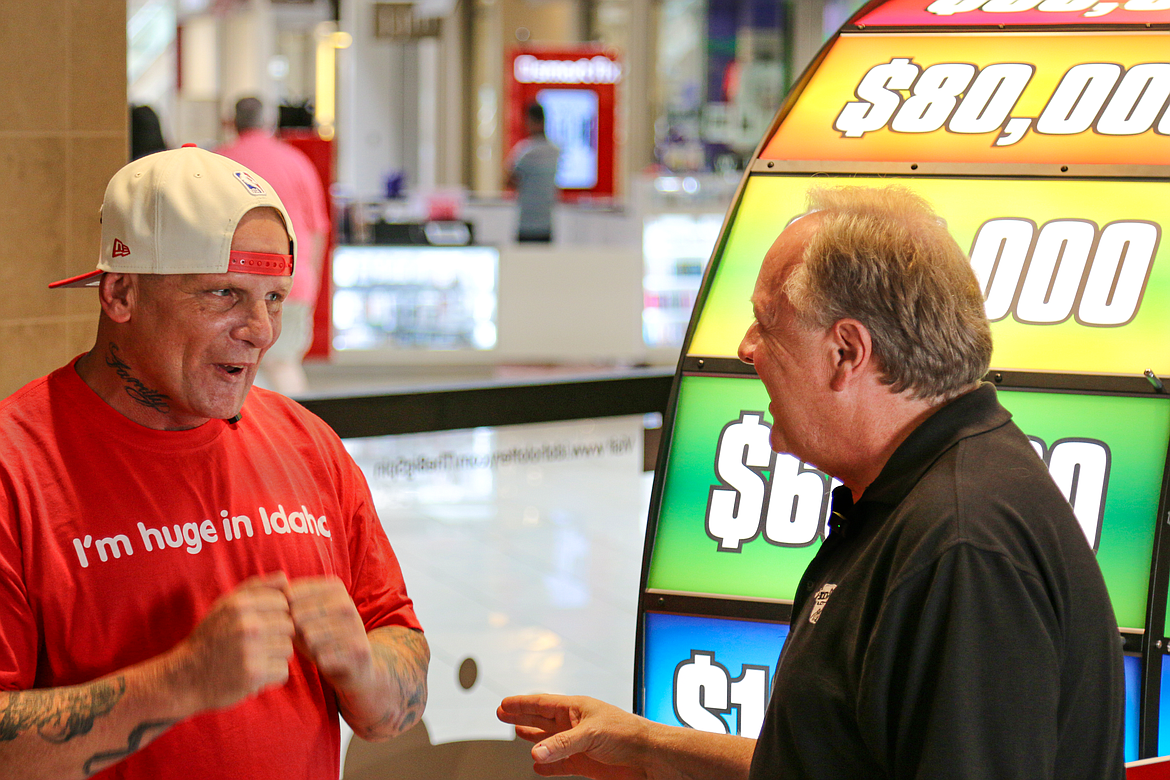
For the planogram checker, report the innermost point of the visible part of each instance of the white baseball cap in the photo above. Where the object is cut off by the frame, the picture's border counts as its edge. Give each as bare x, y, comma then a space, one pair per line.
175, 212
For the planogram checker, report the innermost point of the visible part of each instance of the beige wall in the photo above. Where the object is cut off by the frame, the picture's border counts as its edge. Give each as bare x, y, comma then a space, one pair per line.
63, 134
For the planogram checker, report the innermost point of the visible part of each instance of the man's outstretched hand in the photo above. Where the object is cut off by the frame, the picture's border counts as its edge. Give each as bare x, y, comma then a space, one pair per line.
576, 735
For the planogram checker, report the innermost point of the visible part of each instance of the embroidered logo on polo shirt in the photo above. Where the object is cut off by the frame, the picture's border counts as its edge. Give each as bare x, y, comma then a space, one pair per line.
819, 600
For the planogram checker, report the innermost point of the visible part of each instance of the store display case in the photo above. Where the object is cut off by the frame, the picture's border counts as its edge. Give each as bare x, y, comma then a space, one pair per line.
414, 297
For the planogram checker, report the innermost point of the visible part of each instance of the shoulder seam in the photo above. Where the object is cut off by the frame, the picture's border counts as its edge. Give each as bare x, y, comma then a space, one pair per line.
22, 391
947, 549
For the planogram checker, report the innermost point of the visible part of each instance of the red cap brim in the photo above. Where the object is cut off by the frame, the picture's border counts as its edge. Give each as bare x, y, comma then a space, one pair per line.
90, 279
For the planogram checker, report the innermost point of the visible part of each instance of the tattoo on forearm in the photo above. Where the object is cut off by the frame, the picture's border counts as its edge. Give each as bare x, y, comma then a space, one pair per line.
405, 657
101, 760
408, 666
152, 399
62, 714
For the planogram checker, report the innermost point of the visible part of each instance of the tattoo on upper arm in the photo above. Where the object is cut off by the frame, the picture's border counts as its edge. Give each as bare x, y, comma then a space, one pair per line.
134, 386
100, 761
61, 714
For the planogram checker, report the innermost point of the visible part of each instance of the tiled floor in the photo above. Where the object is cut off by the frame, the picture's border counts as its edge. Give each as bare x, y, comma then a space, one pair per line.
522, 548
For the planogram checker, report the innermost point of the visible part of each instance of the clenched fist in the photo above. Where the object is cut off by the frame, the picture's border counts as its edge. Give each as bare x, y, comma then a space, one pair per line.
243, 645
330, 632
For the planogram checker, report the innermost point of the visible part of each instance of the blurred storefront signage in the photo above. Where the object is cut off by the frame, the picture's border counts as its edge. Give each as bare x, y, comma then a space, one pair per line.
576, 87
397, 21
599, 69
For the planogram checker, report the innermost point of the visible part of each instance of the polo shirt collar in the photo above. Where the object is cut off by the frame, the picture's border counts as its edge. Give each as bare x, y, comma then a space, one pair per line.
968, 415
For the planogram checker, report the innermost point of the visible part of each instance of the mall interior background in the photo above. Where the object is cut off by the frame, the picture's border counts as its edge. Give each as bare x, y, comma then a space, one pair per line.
701, 79
531, 570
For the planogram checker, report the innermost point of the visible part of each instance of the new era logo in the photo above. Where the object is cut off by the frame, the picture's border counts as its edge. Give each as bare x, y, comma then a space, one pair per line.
120, 249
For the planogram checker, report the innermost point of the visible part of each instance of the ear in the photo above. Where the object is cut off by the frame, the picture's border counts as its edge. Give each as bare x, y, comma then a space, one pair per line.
118, 295
853, 357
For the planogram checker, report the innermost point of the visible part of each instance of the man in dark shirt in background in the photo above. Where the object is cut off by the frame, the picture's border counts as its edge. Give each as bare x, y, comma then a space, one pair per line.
532, 170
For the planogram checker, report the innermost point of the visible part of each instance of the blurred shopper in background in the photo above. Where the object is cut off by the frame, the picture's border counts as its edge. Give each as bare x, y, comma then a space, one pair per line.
146, 135
295, 180
532, 171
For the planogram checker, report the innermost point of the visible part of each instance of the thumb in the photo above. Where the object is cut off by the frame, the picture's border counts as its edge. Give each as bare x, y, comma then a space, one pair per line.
560, 746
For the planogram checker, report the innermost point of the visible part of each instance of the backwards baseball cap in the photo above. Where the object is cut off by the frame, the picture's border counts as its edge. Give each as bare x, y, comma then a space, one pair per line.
175, 212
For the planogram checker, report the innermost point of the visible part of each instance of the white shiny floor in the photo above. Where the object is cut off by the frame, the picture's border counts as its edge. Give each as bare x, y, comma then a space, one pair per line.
521, 547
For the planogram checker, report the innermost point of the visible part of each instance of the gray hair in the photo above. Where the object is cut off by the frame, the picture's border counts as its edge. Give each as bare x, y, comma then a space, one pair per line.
884, 258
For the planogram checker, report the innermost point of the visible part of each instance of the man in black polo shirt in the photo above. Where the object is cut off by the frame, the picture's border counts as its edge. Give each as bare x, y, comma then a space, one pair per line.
955, 623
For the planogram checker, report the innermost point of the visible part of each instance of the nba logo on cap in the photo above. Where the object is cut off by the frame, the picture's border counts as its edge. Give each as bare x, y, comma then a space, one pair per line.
249, 183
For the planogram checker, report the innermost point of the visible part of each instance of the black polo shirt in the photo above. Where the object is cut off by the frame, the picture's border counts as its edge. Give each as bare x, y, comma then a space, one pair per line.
953, 625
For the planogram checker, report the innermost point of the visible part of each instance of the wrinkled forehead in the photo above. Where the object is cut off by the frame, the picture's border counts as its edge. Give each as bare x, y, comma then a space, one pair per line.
258, 285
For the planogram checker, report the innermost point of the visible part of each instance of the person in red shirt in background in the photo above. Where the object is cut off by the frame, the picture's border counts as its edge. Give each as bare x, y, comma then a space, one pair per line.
295, 180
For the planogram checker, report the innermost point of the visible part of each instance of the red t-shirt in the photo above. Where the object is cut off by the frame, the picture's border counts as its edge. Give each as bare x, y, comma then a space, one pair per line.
116, 539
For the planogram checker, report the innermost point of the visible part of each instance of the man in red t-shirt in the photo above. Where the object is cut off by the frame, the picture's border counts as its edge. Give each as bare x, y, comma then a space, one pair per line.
193, 580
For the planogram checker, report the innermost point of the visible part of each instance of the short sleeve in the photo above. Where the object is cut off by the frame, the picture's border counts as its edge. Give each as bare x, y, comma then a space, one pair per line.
961, 678
18, 634
516, 157
377, 585
312, 192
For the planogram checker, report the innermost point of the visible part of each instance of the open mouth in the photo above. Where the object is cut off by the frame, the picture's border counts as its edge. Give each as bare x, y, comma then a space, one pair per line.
230, 368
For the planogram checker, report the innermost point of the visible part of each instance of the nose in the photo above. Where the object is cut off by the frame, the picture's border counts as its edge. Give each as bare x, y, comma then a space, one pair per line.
259, 327
747, 345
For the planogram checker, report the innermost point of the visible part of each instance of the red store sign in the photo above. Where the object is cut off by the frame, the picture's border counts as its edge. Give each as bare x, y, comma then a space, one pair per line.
576, 86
